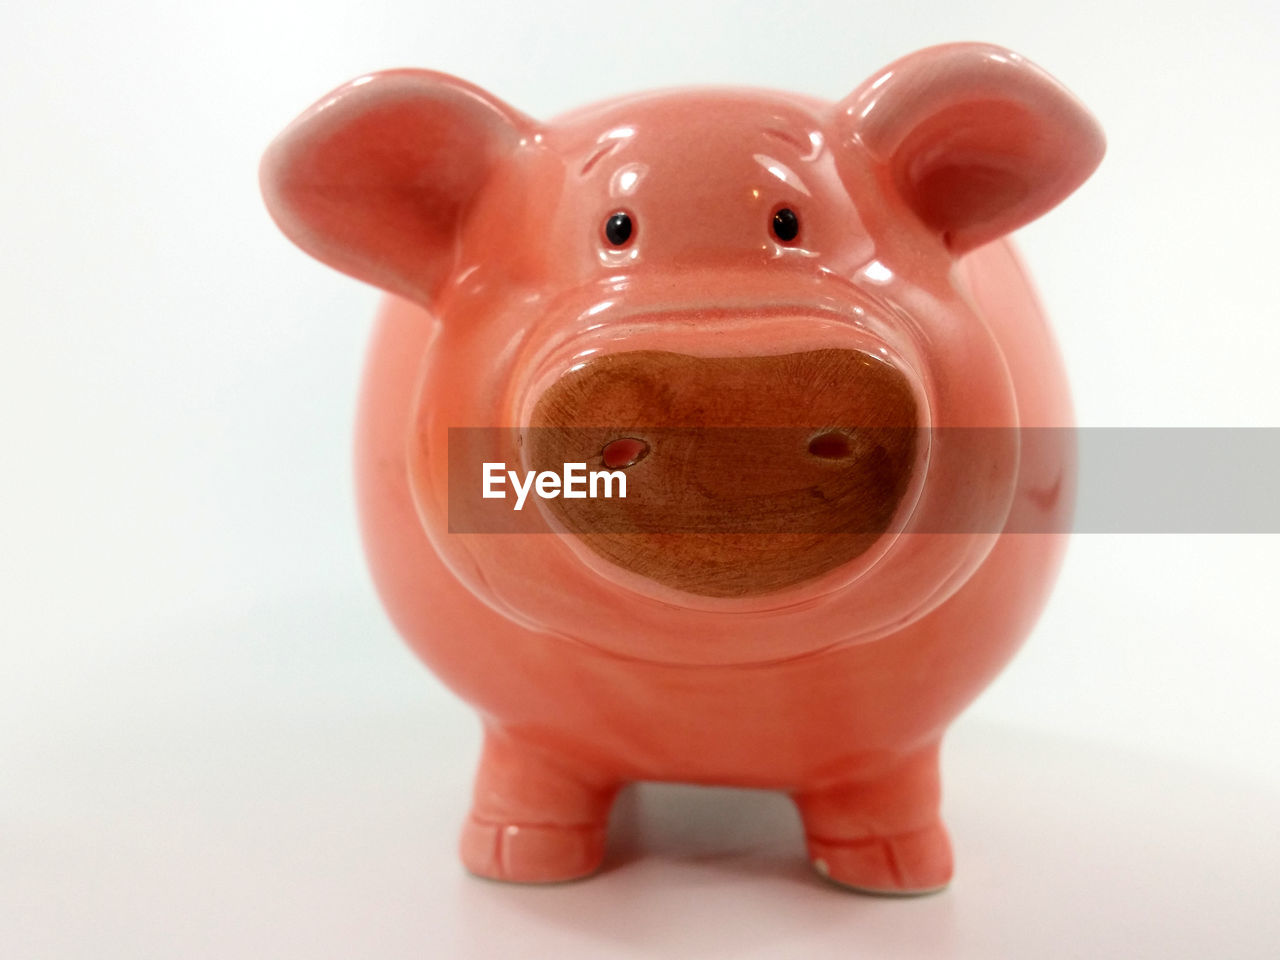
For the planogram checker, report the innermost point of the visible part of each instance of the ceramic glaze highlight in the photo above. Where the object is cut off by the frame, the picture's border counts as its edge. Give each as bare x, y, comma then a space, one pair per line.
676, 264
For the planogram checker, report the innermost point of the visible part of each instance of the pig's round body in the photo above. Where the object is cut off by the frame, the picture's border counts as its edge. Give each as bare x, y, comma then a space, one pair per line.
853, 713
844, 411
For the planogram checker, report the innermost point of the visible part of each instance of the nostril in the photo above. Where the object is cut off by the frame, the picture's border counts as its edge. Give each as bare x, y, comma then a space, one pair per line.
623, 452
830, 445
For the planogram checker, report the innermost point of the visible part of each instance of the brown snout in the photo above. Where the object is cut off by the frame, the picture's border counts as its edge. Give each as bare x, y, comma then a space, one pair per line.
744, 475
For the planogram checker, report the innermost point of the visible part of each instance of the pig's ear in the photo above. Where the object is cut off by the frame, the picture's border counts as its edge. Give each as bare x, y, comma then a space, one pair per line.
376, 178
977, 140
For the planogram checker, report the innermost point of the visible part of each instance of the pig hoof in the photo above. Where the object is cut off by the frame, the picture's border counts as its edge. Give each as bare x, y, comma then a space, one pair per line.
532, 852
904, 864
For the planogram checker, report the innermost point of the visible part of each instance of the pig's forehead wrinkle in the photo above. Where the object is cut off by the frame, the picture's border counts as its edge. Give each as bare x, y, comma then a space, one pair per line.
682, 123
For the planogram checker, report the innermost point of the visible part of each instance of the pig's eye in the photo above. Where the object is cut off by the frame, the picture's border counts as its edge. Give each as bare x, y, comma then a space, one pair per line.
618, 229
786, 225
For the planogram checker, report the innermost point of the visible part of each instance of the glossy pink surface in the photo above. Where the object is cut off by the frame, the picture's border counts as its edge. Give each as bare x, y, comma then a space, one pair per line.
490, 228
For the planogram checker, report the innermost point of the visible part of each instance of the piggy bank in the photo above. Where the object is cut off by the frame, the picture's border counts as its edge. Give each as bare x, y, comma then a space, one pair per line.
795, 331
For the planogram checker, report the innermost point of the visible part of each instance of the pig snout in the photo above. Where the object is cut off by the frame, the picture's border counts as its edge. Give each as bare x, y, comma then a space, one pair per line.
745, 475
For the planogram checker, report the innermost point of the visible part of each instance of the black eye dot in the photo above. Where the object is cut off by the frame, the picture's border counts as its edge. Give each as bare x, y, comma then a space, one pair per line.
617, 229
786, 225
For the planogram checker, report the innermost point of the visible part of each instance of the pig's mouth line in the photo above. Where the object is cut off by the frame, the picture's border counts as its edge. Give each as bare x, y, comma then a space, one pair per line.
711, 663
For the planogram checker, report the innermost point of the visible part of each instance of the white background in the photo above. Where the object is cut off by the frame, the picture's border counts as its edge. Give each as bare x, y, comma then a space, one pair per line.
212, 743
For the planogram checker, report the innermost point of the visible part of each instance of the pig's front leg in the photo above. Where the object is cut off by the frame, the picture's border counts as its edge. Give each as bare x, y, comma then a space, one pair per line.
880, 832
537, 815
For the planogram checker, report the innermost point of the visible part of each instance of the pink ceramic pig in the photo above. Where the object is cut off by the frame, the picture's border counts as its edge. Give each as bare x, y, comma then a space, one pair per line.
826, 597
